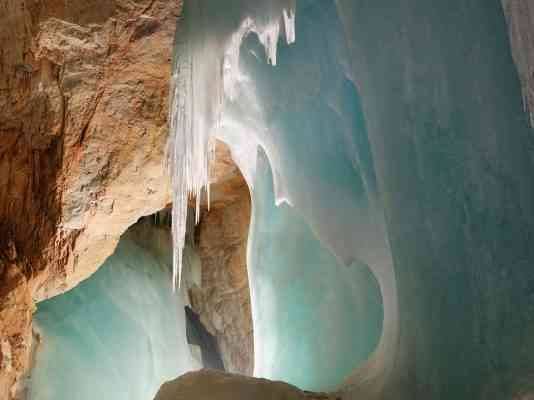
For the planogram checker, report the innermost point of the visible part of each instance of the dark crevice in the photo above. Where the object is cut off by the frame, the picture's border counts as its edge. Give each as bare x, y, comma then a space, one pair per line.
198, 335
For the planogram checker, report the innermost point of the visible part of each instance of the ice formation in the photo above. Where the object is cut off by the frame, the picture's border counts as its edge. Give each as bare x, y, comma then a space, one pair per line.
452, 149
395, 140
305, 115
205, 74
314, 318
119, 335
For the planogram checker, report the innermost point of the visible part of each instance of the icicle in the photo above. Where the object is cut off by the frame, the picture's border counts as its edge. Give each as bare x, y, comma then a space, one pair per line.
206, 72
289, 25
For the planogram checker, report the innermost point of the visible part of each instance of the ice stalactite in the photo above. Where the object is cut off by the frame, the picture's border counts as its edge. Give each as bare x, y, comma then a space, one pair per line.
205, 74
315, 319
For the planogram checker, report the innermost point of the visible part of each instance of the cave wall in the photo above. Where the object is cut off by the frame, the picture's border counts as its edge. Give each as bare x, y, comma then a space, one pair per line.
454, 162
520, 17
83, 94
223, 297
216, 385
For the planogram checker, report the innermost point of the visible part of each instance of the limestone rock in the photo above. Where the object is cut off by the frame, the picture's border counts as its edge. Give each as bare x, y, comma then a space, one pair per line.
215, 385
84, 94
223, 298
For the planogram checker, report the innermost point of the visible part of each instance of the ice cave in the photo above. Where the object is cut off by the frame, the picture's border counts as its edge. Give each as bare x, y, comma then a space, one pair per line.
267, 199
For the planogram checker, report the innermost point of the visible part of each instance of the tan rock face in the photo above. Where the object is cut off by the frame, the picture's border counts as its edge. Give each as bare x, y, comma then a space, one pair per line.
83, 94
16, 309
223, 299
215, 385
114, 82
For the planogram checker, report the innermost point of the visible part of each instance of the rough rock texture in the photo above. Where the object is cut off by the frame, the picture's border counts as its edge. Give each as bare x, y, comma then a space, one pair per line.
520, 18
15, 332
223, 300
215, 385
83, 94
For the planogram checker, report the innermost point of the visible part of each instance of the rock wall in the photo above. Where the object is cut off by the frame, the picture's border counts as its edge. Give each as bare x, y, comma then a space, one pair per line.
83, 94
223, 298
215, 385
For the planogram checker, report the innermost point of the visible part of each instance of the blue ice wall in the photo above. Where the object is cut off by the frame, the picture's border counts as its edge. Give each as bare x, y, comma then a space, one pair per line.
314, 133
117, 336
317, 306
315, 319
454, 157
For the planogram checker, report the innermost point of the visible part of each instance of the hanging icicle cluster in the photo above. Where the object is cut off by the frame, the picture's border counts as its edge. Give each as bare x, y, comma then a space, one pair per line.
205, 73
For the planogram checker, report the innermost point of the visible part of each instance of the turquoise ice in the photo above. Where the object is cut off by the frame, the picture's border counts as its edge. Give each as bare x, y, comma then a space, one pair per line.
117, 336
315, 319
